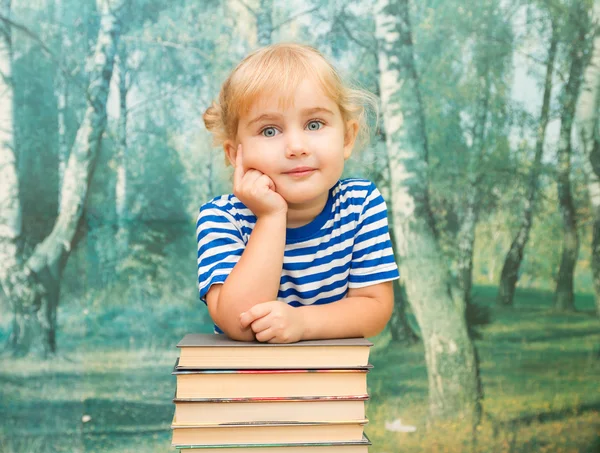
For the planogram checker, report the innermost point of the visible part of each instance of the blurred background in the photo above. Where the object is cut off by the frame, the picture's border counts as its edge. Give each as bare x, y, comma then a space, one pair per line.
105, 162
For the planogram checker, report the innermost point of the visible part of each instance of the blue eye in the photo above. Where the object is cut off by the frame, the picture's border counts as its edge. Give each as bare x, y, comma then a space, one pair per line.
269, 131
319, 123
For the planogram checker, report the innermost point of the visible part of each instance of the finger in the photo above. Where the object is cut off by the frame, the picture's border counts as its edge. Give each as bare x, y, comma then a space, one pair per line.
266, 336
238, 171
267, 182
251, 178
258, 311
262, 323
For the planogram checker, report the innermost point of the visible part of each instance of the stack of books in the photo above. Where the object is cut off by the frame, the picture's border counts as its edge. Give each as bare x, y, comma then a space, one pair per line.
301, 397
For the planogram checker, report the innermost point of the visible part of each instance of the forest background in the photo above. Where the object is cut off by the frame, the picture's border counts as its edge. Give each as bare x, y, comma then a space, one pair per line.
487, 152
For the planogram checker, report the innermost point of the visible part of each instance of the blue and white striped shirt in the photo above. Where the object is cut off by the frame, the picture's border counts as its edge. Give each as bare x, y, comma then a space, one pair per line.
346, 246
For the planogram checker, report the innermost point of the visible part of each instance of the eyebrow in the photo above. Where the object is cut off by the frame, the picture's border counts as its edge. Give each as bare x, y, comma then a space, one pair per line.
267, 116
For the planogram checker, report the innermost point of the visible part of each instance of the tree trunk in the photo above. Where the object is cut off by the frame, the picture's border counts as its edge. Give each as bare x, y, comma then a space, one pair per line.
468, 225
564, 296
122, 242
10, 202
454, 390
264, 22
514, 257
587, 119
61, 93
400, 329
33, 289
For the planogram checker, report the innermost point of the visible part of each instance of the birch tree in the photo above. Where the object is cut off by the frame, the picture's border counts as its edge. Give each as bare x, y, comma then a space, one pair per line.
454, 389
466, 232
485, 119
400, 329
564, 296
32, 284
121, 155
61, 93
10, 203
587, 118
514, 257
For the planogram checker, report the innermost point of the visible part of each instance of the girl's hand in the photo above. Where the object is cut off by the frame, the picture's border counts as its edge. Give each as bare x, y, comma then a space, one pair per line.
274, 322
256, 190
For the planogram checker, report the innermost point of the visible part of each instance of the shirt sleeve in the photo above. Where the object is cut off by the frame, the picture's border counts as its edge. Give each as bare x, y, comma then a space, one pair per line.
373, 259
220, 246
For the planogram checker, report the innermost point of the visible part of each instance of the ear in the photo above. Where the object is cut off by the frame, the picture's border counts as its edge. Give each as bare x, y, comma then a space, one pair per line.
350, 137
230, 148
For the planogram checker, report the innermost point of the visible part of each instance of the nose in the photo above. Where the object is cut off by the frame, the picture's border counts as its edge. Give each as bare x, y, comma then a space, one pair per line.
296, 144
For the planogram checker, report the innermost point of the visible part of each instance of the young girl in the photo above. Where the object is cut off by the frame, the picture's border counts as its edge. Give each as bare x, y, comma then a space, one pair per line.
294, 253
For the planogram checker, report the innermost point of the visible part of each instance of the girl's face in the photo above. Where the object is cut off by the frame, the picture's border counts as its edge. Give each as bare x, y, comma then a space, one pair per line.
302, 148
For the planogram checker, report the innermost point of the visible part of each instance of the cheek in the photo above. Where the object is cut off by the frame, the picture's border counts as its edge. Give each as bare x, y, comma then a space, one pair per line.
258, 159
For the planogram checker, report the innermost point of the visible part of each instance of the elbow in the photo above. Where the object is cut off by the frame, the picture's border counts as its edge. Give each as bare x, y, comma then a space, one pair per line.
230, 325
239, 334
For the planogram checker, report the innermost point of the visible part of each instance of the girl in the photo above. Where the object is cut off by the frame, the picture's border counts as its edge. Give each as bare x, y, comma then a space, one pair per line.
294, 253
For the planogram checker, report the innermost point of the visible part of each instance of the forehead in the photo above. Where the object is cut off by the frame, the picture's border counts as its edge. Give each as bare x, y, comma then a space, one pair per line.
307, 94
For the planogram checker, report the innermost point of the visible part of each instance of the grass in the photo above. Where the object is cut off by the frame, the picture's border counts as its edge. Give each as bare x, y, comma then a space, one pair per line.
540, 373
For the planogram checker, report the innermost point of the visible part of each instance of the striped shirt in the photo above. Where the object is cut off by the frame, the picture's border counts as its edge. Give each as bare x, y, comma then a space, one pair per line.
346, 246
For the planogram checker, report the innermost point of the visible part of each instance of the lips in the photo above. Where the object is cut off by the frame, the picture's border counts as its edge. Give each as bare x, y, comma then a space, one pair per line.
300, 171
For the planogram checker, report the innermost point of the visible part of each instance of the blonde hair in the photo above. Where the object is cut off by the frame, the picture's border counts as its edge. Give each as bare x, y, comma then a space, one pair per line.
281, 67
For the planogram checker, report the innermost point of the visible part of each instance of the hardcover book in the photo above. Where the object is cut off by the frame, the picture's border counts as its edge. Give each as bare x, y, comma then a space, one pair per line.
361, 446
263, 432
210, 351
280, 383
244, 410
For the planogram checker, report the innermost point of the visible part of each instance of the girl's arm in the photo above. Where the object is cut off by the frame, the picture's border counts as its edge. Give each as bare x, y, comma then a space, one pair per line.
254, 279
364, 312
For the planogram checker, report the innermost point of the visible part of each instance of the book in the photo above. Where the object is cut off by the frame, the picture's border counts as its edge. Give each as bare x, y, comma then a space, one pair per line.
212, 351
280, 383
263, 432
244, 410
361, 446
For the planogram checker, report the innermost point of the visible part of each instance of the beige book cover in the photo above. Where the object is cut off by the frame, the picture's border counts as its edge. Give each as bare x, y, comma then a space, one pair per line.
212, 351
270, 383
243, 410
261, 433
361, 446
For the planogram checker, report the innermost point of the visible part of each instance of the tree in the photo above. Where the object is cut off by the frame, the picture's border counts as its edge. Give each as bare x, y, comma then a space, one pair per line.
10, 205
121, 155
587, 118
514, 257
454, 388
491, 48
577, 25
378, 166
32, 285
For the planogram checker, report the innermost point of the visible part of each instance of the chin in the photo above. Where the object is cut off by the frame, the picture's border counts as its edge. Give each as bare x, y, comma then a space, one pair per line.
304, 199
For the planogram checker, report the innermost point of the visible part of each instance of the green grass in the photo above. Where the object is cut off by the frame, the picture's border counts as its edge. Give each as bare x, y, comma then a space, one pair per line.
540, 372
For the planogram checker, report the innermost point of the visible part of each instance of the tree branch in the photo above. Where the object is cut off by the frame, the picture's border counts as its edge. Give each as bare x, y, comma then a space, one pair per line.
249, 8
290, 19
369, 47
47, 51
175, 45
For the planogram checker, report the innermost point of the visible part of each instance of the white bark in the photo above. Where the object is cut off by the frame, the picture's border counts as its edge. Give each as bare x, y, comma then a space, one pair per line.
61, 93
450, 356
121, 183
10, 205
